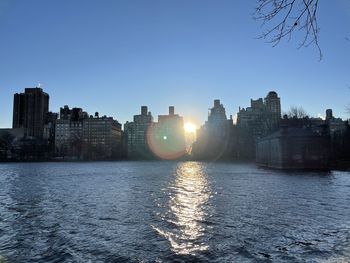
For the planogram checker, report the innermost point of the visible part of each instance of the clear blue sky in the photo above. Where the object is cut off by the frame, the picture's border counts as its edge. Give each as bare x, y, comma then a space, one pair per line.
114, 56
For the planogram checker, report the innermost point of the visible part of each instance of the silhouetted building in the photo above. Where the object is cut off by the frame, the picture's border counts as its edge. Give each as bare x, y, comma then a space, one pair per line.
102, 138
166, 139
69, 132
256, 121
74, 114
50, 129
336, 125
29, 111
329, 114
136, 135
213, 138
65, 113
293, 148
217, 115
273, 106
261, 117
335, 130
80, 136
339, 132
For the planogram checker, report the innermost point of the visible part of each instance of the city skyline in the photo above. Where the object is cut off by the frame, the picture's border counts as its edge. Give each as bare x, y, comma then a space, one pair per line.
174, 131
182, 54
74, 134
190, 123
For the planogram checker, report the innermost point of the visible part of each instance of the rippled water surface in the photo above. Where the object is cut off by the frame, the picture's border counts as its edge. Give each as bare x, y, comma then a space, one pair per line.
171, 211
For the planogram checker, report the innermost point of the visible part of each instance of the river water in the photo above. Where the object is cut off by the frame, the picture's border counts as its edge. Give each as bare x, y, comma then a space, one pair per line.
171, 212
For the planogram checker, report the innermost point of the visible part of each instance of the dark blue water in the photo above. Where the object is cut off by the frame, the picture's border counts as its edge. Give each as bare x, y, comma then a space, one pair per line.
171, 211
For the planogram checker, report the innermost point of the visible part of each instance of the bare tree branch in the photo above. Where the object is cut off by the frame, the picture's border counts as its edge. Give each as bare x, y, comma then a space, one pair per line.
297, 113
291, 15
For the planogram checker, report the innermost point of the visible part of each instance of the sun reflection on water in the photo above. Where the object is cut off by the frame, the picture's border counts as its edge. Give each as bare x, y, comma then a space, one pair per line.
188, 210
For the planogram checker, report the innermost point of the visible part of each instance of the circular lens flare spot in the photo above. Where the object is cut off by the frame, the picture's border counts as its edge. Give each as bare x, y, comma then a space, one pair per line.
167, 140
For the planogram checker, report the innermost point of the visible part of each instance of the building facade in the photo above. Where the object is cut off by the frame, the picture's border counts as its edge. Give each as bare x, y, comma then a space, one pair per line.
166, 138
80, 136
136, 135
336, 125
272, 104
102, 138
69, 132
29, 111
262, 117
293, 148
213, 138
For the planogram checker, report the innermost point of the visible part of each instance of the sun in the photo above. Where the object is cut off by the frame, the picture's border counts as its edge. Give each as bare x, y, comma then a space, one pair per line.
190, 127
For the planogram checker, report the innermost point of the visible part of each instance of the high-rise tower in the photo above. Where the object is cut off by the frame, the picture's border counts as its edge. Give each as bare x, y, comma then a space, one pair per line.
273, 104
29, 111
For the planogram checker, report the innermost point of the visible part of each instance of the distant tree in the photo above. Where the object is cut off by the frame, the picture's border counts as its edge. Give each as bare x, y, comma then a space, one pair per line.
297, 113
29, 148
347, 109
284, 17
6, 140
296, 117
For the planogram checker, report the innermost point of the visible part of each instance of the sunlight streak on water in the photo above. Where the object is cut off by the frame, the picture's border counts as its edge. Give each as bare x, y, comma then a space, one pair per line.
187, 210
171, 212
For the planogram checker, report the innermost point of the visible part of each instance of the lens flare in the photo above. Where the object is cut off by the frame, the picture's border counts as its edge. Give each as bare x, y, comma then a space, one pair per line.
167, 141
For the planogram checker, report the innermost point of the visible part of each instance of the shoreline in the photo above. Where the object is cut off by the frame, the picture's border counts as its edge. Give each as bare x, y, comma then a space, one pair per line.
341, 167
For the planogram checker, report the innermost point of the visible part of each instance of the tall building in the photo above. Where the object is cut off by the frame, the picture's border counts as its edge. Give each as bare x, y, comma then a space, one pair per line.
256, 121
217, 115
29, 111
166, 138
262, 117
213, 138
136, 134
69, 132
335, 125
102, 138
78, 135
74, 114
273, 105
50, 129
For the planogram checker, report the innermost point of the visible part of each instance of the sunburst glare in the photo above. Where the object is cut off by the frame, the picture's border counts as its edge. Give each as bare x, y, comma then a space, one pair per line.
190, 127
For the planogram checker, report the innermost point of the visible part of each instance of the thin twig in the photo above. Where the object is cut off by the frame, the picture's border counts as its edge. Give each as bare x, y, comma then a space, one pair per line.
286, 16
